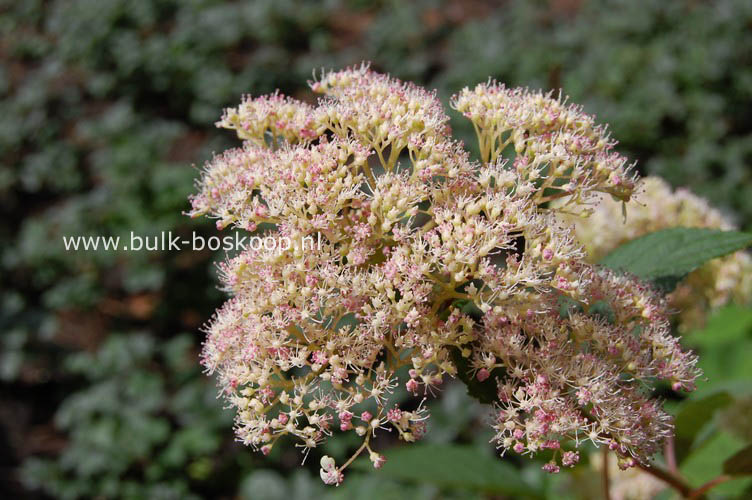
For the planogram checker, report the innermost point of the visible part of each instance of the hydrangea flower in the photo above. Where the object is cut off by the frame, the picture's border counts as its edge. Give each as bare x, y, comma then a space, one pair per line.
431, 265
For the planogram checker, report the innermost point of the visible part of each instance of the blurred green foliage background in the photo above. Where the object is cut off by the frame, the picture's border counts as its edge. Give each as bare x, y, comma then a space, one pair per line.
107, 104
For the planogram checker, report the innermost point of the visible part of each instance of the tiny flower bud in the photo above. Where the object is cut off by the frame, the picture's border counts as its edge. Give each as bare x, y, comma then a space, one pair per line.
482, 375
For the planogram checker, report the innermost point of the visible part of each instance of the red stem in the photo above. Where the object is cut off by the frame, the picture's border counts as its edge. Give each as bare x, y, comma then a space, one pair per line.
699, 492
671, 456
676, 482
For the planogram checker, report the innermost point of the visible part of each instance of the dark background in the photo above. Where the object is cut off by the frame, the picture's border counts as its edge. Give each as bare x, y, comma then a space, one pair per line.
106, 109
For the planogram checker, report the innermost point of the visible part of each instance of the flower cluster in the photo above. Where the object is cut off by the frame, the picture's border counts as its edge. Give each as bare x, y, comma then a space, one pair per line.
430, 266
270, 117
558, 147
657, 206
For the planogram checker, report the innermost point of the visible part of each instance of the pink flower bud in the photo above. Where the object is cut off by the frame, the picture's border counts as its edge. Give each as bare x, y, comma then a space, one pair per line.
570, 458
551, 468
377, 460
412, 386
482, 375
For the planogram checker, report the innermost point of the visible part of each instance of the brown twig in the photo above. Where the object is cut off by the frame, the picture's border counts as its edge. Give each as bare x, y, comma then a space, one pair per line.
604, 472
671, 477
699, 492
676, 482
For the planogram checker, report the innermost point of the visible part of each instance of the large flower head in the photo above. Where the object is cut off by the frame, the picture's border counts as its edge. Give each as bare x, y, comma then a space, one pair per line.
430, 265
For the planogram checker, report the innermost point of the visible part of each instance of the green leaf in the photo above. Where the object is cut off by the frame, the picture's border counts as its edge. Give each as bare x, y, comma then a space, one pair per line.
727, 326
725, 348
707, 462
487, 391
568, 305
739, 464
454, 466
692, 418
603, 310
667, 256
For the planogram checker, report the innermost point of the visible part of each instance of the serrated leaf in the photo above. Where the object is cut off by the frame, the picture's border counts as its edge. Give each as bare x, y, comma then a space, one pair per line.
667, 256
740, 463
454, 466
